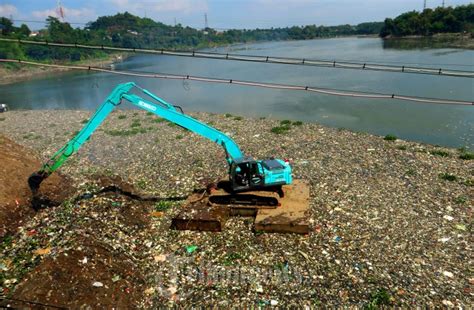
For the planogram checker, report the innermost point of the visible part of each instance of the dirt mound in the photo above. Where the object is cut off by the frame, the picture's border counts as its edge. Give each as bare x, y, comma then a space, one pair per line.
17, 164
89, 276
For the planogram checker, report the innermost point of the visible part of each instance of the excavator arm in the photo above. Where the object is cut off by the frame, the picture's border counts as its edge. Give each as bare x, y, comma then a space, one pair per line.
160, 108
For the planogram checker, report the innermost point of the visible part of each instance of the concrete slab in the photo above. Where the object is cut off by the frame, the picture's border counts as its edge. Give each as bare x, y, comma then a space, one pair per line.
291, 216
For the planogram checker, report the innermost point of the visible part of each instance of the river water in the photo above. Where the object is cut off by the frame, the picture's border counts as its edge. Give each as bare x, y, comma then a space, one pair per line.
430, 123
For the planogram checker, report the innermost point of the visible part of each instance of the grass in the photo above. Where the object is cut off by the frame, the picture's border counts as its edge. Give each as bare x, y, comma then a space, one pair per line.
377, 299
136, 123
179, 137
460, 199
124, 133
84, 121
135, 114
448, 177
163, 205
231, 258
297, 123
280, 129
262, 118
440, 153
238, 118
158, 120
469, 182
390, 138
122, 116
410, 172
149, 113
2, 119
466, 155
402, 147
228, 115
285, 122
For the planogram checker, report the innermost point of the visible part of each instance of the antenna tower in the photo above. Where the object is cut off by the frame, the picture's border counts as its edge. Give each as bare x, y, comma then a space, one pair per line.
424, 5
60, 11
206, 25
443, 3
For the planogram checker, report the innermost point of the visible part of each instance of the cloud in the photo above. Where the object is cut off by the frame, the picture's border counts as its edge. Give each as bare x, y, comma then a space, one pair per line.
7, 9
74, 15
162, 6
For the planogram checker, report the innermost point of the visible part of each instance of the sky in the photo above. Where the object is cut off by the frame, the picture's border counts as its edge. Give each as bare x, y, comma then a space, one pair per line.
221, 14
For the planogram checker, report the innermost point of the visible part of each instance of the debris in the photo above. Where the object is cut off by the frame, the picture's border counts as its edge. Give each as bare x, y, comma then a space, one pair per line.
190, 249
42, 251
97, 284
448, 274
115, 278
448, 217
460, 227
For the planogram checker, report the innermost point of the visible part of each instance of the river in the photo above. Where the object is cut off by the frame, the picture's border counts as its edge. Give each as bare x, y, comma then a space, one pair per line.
436, 124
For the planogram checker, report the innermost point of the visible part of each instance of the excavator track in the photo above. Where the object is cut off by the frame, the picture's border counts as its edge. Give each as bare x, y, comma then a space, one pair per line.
268, 197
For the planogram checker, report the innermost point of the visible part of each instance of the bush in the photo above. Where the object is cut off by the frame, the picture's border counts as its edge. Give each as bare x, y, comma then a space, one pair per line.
448, 177
280, 129
390, 138
440, 153
467, 156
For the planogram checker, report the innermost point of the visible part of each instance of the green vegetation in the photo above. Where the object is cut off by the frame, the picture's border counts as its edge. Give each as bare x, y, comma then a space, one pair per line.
448, 177
280, 129
122, 117
460, 199
124, 133
231, 258
440, 153
2, 119
228, 115
285, 122
298, 123
163, 205
377, 299
135, 123
429, 22
179, 137
158, 120
402, 147
149, 113
238, 118
390, 138
84, 121
466, 155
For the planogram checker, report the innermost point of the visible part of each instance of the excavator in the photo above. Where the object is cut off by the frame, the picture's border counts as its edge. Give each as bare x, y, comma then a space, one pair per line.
250, 181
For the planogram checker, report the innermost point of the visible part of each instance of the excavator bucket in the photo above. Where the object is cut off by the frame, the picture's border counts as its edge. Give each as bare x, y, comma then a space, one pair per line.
34, 182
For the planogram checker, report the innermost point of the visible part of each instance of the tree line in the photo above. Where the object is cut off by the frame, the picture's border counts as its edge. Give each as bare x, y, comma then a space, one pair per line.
429, 22
130, 31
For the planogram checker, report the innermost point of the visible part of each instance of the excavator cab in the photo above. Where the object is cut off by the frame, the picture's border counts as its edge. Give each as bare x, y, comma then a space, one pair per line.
246, 173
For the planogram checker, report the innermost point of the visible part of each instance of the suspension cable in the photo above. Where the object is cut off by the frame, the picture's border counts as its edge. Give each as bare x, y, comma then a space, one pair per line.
326, 91
264, 59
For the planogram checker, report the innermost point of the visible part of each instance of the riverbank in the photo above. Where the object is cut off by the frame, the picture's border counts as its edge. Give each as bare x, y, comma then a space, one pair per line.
440, 40
390, 220
25, 72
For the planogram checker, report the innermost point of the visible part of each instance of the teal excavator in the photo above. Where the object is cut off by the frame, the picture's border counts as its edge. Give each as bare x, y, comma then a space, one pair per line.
250, 181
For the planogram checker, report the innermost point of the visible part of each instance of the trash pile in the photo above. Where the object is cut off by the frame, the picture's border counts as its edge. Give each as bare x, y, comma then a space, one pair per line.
390, 221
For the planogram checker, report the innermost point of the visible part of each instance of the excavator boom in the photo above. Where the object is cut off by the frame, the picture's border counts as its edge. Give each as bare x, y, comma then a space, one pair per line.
245, 173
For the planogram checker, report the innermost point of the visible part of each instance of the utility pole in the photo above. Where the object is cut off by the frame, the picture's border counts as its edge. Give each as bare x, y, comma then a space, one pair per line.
424, 5
175, 21
206, 25
443, 3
